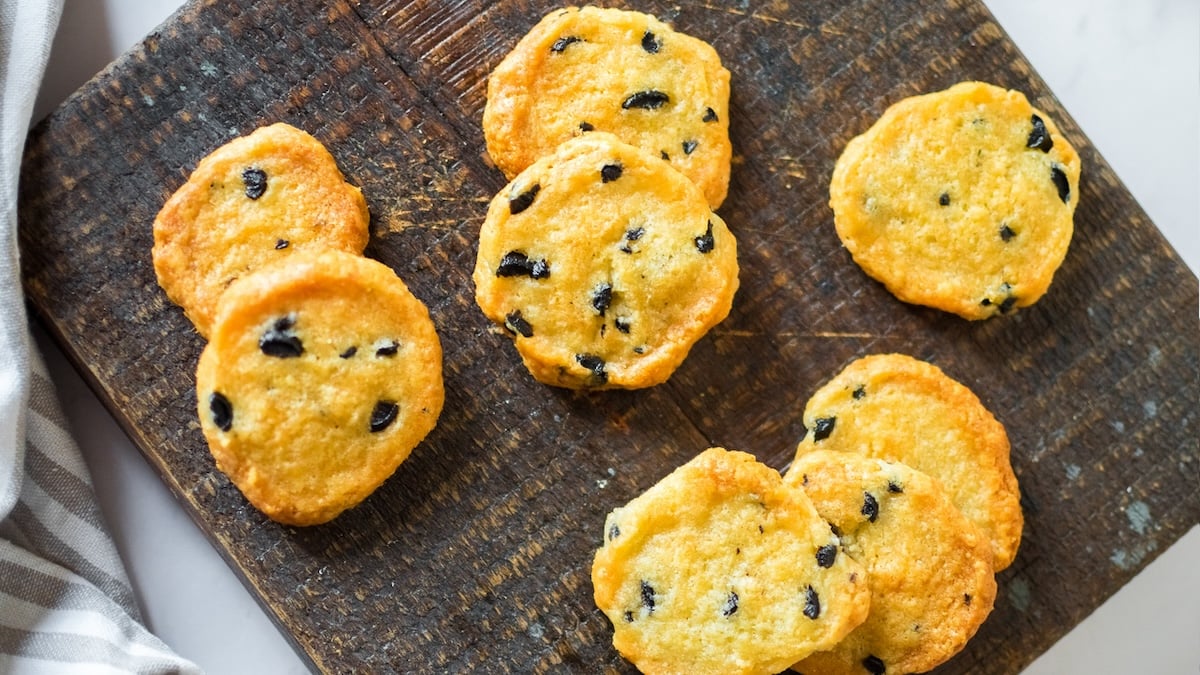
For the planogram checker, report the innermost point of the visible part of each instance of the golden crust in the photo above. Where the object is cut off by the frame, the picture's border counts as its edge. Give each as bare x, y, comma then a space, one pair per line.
900, 409
945, 203
645, 232
579, 66
302, 353
713, 569
210, 232
929, 569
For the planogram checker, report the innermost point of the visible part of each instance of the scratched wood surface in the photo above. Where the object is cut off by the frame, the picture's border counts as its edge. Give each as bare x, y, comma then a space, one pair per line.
475, 555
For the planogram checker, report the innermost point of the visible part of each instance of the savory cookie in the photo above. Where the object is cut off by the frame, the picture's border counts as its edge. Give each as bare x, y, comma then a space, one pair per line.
254, 200
960, 200
929, 569
618, 71
721, 568
605, 264
322, 374
897, 408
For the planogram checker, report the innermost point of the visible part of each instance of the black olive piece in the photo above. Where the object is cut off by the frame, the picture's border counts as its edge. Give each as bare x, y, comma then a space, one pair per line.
524, 200
651, 99
710, 115
622, 324
944, 199
826, 555
632, 234
705, 242
812, 603
859, 392
629, 617
967, 599
895, 488
563, 42
1060, 181
517, 323
664, 155
874, 665
870, 507
517, 264
350, 351
690, 146
610, 172
1006, 233
648, 596
389, 349
586, 126
1039, 138
383, 415
651, 43
731, 605
823, 427
596, 365
614, 532
1006, 305
640, 349
255, 181
222, 411
602, 298
282, 244
279, 342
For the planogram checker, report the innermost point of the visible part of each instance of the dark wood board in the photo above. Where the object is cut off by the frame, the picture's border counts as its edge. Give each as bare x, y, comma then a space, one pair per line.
475, 556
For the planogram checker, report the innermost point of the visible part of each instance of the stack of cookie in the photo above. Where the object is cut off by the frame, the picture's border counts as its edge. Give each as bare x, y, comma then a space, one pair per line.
322, 371
908, 477
603, 257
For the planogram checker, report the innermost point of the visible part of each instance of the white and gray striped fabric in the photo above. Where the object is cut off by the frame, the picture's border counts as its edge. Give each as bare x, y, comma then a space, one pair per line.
66, 605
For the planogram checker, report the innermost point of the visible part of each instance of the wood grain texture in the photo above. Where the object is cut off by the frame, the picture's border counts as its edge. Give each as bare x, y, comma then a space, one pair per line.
475, 556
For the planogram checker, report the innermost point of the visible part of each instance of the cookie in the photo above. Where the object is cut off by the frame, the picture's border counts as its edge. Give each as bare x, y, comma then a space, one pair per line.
257, 199
605, 264
897, 408
323, 372
721, 568
929, 569
960, 200
627, 73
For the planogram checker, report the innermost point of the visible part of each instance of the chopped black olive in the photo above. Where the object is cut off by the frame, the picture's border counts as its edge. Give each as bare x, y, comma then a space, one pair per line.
222, 411
967, 599
596, 365
629, 617
826, 555
710, 115
1006, 233
705, 242
388, 349
1006, 305
610, 172
874, 665
651, 43
859, 392
640, 349
255, 181
279, 341
586, 126
689, 146
383, 415
614, 532
823, 427
602, 297
635, 233
650, 99
664, 155
895, 488
731, 605
1039, 138
944, 199
517, 264
524, 200
517, 323
648, 596
282, 244
563, 42
350, 351
1060, 181
870, 507
540, 269
812, 604
622, 324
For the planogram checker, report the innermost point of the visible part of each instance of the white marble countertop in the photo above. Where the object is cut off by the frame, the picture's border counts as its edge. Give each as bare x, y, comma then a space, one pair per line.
1129, 73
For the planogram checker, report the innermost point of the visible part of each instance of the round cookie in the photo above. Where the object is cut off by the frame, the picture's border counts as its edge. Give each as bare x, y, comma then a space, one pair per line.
605, 264
960, 200
322, 374
929, 569
255, 200
900, 409
721, 568
613, 70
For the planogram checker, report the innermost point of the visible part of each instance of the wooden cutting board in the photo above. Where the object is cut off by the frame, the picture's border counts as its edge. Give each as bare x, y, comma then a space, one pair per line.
475, 556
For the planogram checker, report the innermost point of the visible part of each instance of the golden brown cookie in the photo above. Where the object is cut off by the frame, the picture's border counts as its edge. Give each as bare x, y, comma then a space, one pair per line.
624, 72
721, 568
605, 264
255, 200
323, 372
929, 569
900, 409
961, 200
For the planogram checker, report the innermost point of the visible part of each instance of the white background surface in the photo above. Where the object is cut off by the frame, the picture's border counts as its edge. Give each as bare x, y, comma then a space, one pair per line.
1129, 73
